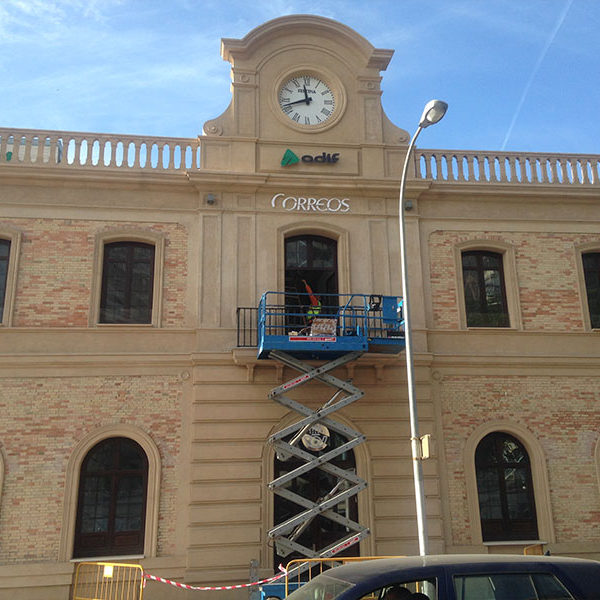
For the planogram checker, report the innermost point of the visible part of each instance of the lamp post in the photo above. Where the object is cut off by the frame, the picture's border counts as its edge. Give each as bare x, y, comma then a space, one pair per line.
433, 112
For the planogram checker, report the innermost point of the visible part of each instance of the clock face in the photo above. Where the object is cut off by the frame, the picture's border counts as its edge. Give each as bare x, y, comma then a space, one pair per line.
306, 100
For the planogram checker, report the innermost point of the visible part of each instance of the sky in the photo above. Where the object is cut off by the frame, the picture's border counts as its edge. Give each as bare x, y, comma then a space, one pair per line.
518, 75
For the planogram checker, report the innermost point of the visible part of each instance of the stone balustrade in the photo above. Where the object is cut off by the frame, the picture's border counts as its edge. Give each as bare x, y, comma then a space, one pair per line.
27, 147
507, 167
97, 150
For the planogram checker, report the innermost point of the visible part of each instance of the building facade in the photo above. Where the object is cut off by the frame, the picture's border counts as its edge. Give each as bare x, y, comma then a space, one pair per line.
136, 414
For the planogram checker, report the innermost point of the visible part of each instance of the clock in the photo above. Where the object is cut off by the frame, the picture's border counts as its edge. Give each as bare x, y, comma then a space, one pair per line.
307, 100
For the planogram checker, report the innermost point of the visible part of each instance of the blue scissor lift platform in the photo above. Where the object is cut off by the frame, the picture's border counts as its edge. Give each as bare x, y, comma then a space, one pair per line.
345, 323
337, 331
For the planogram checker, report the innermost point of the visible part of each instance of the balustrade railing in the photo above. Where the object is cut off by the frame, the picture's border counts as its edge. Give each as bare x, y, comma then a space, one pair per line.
97, 150
507, 167
28, 147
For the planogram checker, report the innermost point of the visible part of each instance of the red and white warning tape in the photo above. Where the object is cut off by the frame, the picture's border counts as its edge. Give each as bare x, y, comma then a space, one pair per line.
198, 588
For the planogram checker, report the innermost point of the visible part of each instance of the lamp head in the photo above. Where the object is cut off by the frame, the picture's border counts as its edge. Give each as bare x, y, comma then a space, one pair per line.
433, 112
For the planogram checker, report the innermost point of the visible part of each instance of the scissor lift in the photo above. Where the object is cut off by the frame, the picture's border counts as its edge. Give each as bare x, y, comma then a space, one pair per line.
346, 327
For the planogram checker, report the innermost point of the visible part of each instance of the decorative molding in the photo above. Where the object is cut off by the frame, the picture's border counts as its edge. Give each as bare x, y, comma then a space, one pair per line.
539, 475
71, 492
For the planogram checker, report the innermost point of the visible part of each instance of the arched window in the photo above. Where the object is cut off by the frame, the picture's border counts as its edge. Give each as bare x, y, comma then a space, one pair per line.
591, 271
313, 485
505, 489
127, 283
111, 508
484, 289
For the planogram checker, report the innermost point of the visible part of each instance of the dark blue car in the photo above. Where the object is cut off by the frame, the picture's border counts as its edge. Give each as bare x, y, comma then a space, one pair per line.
458, 577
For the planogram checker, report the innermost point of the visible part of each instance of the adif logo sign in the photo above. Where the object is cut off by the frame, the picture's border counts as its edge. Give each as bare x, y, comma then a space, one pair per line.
308, 204
291, 158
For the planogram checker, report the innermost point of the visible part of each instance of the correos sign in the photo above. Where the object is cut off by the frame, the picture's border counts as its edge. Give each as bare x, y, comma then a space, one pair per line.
309, 204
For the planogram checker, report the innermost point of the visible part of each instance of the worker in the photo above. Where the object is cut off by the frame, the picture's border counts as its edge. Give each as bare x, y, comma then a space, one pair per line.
315, 304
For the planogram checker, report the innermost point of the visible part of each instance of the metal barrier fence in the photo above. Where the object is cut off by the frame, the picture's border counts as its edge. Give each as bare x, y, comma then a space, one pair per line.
307, 568
108, 581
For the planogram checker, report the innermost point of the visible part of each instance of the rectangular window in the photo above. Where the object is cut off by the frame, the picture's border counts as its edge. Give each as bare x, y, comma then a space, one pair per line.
127, 283
485, 295
591, 270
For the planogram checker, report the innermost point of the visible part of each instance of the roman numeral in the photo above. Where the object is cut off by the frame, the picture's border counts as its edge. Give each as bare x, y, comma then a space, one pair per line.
325, 112
296, 117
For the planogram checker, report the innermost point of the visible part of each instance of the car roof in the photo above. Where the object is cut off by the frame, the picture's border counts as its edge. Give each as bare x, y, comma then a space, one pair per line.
389, 569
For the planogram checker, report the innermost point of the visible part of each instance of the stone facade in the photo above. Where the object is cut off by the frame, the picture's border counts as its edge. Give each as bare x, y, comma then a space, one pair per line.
196, 400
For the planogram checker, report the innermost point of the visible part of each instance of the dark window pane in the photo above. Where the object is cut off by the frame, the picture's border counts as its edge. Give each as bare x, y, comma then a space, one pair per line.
489, 494
4, 248
112, 499
4, 257
100, 458
129, 507
491, 261
485, 295
591, 269
96, 504
130, 457
127, 283
505, 489
310, 260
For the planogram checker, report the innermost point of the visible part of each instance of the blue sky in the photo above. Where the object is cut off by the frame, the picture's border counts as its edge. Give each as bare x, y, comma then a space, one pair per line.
520, 75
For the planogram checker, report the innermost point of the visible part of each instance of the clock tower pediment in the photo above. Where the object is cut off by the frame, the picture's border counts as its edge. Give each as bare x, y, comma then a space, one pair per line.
309, 85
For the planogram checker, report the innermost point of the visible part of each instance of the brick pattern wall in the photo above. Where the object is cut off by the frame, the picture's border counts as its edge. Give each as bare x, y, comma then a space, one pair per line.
56, 270
560, 412
547, 273
43, 419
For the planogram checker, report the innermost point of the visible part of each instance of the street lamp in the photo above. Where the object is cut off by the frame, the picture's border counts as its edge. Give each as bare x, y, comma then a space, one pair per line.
433, 112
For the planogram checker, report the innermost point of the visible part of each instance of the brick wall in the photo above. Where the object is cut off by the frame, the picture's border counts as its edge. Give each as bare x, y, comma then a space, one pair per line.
43, 419
56, 270
560, 412
549, 288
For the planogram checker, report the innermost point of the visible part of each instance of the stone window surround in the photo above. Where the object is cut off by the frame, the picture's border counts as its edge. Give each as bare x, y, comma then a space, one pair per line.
510, 280
580, 250
539, 476
315, 228
71, 494
14, 237
128, 235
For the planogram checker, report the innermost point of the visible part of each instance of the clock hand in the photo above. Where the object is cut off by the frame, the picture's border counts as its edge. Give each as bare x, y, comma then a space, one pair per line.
307, 100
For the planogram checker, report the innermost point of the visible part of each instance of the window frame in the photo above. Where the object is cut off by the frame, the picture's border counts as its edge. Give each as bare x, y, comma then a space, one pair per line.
539, 476
341, 236
592, 248
133, 236
14, 237
115, 476
499, 469
511, 289
67, 534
